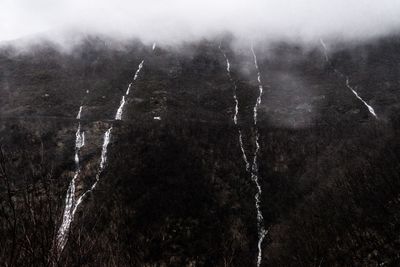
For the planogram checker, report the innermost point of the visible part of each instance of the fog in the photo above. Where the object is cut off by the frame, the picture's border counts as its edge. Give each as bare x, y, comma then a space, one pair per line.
186, 20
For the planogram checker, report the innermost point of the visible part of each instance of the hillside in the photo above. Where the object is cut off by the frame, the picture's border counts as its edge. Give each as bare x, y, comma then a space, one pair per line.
174, 189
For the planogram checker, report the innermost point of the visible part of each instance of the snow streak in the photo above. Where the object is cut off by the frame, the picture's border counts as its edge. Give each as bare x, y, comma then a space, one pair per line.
154, 46
341, 75
253, 169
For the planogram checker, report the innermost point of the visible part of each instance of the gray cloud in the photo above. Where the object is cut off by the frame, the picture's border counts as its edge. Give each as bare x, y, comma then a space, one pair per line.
184, 20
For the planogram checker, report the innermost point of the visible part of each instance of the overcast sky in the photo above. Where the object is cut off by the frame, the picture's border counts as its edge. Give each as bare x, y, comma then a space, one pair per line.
176, 20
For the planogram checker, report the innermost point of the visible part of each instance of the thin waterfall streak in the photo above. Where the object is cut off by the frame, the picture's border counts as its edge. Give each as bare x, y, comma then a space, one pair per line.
118, 115
83, 139
67, 215
260, 225
135, 77
254, 165
107, 136
228, 70
254, 169
83, 196
260, 87
129, 89
80, 138
236, 108
261, 231
260, 219
106, 141
370, 109
325, 49
246, 161
70, 197
78, 117
71, 203
138, 70
323, 44
103, 161
341, 75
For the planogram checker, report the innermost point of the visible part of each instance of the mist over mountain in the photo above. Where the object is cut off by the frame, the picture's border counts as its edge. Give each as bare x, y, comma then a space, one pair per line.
199, 133
175, 21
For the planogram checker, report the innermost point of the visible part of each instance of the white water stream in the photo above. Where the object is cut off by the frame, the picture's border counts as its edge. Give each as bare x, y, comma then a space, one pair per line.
369, 107
254, 174
72, 204
253, 169
70, 197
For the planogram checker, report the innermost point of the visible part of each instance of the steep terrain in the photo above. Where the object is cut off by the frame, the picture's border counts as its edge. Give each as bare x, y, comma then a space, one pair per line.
171, 188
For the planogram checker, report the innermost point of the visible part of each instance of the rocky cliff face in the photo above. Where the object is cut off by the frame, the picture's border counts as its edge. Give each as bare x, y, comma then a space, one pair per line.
174, 190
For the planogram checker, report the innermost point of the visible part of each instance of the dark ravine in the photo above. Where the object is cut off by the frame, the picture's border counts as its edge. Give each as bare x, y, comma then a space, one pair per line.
176, 191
